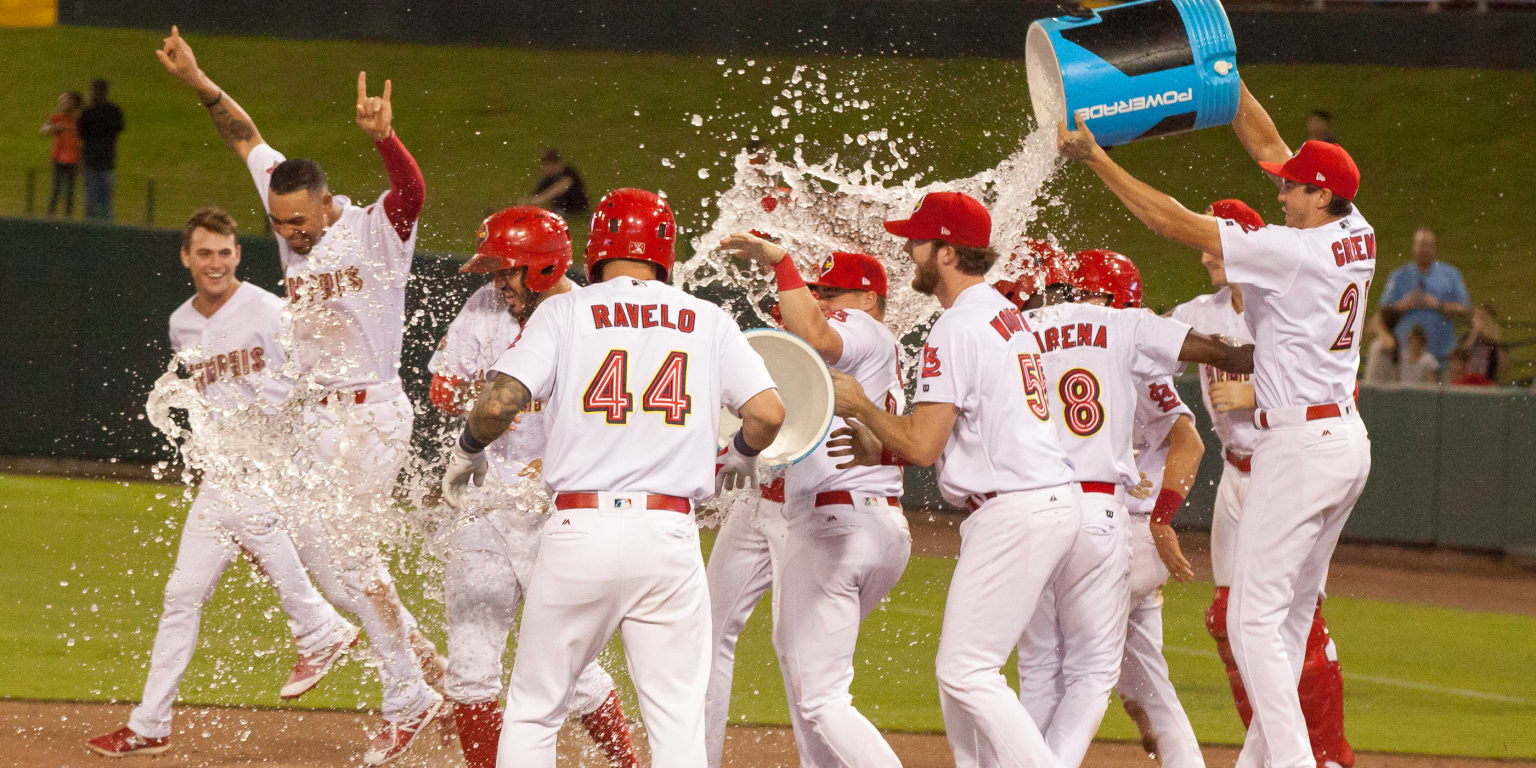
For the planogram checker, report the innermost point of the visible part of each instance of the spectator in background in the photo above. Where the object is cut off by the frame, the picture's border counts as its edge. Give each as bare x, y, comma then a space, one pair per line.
1381, 350
99, 126
1415, 365
1484, 344
1320, 126
1464, 373
63, 126
1430, 294
561, 189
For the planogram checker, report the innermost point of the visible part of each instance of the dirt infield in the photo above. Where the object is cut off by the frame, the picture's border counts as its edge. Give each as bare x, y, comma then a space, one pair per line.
53, 734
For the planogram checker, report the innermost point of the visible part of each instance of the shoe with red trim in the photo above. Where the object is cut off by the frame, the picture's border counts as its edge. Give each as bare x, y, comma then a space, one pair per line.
124, 742
312, 668
397, 736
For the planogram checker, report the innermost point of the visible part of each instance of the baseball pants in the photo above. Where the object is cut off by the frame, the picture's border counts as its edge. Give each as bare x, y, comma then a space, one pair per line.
846, 557
618, 568
356, 452
742, 568
1009, 548
1070, 654
219, 525
1305, 480
1144, 681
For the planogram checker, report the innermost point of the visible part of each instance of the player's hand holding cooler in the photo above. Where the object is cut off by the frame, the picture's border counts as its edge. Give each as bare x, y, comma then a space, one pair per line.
736, 466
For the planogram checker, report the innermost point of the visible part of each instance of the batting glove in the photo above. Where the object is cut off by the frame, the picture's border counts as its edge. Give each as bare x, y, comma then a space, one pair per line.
735, 465
463, 467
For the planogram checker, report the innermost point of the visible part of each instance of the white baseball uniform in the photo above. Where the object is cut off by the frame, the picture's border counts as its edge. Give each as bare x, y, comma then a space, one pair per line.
849, 543
490, 550
1213, 313
346, 307
633, 374
1144, 680
1004, 462
1069, 657
1304, 299
233, 358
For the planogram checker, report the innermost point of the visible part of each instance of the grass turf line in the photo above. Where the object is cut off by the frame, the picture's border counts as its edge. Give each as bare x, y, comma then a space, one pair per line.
91, 559
1433, 144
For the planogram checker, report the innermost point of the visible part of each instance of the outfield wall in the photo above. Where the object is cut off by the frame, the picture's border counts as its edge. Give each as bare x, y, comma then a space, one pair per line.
985, 28
85, 306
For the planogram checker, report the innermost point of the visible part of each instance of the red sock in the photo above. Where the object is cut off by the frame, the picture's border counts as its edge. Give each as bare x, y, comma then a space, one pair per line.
1322, 697
479, 727
1216, 624
610, 731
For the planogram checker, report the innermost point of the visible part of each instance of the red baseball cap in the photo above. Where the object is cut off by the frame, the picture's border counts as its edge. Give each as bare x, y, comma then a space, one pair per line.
953, 217
1237, 211
853, 271
1322, 164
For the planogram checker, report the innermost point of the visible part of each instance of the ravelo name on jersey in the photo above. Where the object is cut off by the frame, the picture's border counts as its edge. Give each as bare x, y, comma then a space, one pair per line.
626, 315
229, 365
1135, 104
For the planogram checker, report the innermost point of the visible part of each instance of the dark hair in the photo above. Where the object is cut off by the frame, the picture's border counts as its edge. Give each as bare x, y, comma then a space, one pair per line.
970, 261
551, 155
1337, 206
296, 173
212, 218
1390, 318
99, 86
1323, 113
77, 97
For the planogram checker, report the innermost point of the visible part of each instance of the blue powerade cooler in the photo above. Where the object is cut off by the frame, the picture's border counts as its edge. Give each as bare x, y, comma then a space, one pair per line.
1135, 70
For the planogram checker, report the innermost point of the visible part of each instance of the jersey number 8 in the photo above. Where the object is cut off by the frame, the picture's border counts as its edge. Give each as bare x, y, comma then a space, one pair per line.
1081, 408
667, 394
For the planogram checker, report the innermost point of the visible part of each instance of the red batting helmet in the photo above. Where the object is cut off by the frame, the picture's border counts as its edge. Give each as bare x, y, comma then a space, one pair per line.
1106, 272
631, 224
524, 236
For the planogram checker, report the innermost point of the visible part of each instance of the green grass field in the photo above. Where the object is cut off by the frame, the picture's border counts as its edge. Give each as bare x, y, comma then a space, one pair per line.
1441, 147
87, 560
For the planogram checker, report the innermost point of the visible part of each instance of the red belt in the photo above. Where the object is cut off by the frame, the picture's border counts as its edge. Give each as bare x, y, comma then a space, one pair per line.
1242, 463
1314, 412
773, 491
359, 396
834, 498
975, 501
1107, 488
652, 501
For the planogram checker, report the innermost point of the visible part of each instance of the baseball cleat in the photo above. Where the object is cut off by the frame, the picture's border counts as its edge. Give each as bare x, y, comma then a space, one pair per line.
124, 742
397, 736
312, 667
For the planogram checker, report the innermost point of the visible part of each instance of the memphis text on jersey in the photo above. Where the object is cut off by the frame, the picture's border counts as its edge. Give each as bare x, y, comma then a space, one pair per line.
324, 286
229, 365
625, 315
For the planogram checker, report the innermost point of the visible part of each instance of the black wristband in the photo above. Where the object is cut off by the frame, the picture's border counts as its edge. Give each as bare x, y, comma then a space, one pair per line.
469, 444
740, 444
216, 100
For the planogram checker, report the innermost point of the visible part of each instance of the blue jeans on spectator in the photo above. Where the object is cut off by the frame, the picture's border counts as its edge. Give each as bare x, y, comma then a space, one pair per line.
98, 193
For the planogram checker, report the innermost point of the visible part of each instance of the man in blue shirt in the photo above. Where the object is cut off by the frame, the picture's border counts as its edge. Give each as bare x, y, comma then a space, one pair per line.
1430, 294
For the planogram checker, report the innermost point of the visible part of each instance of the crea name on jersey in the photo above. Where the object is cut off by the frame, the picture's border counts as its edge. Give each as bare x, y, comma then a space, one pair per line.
229, 365
324, 286
1354, 248
625, 315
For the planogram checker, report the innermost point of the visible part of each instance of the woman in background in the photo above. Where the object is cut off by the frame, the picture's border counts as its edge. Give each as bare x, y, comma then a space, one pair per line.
65, 154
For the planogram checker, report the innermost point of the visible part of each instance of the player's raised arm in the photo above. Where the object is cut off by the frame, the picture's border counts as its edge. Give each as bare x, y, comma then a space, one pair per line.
1257, 131
1160, 212
802, 315
229, 119
407, 188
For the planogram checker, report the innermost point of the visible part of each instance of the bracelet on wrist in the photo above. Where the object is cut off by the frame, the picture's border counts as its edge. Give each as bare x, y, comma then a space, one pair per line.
468, 443
739, 442
787, 275
1168, 502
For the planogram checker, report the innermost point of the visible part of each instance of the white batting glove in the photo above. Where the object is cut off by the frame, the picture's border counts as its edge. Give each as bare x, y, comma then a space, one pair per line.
733, 468
463, 467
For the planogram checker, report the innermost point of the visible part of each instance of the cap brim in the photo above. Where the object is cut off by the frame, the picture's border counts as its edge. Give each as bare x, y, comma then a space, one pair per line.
481, 264
904, 228
1278, 169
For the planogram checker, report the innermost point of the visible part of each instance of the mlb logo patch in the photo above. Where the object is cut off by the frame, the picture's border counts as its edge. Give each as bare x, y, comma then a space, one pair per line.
636, 247
622, 503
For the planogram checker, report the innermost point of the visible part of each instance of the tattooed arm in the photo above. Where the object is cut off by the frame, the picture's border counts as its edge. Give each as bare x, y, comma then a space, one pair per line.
497, 407
232, 122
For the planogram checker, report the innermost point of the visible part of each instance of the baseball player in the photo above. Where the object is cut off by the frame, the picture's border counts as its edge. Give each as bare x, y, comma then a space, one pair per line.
346, 267
1229, 399
982, 413
1099, 351
1304, 289
491, 550
632, 373
227, 339
847, 536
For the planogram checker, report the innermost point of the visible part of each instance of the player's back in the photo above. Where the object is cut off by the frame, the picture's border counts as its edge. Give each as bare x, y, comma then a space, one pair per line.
636, 373
1095, 358
1304, 293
